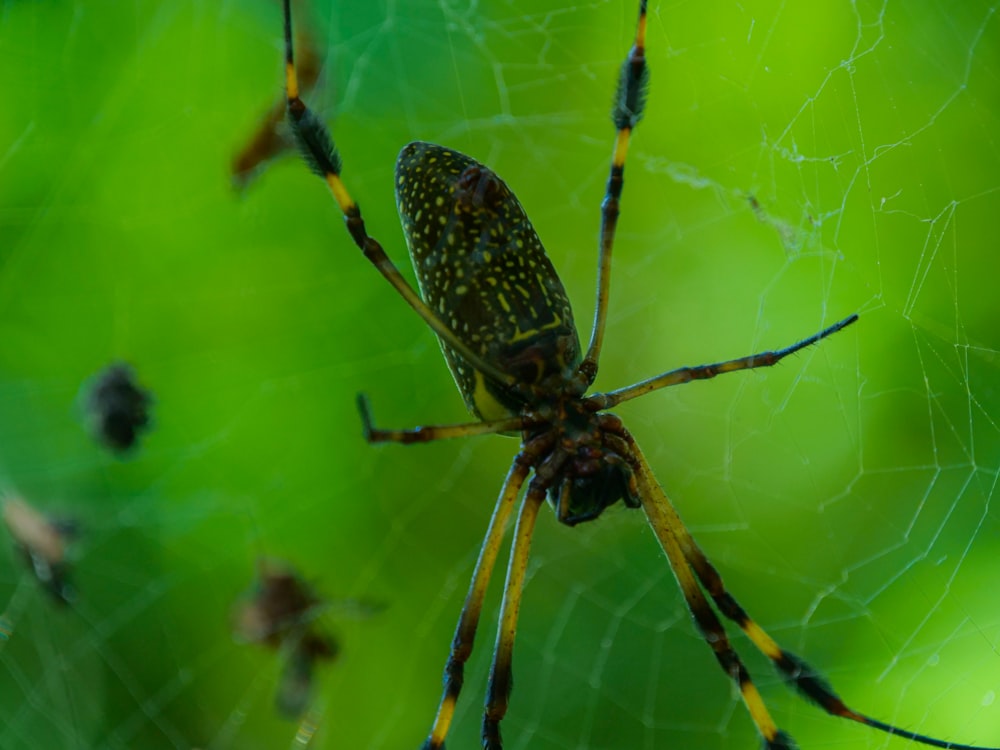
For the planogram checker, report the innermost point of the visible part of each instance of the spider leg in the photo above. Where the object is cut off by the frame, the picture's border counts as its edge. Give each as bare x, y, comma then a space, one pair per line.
630, 100
706, 372
664, 524
324, 160
806, 680
268, 142
428, 433
501, 673
468, 621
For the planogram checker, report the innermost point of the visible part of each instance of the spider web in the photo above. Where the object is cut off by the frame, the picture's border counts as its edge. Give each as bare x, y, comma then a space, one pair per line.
796, 164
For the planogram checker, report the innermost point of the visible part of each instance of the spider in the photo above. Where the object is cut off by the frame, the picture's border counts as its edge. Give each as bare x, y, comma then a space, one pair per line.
506, 329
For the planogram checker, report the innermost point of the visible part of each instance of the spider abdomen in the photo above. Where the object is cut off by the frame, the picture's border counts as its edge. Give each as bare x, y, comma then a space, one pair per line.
482, 268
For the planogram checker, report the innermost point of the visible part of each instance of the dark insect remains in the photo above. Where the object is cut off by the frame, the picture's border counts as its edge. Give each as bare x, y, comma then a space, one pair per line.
117, 408
42, 542
506, 327
281, 612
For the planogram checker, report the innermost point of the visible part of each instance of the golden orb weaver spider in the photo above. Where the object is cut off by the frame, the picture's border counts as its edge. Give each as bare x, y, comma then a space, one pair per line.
506, 328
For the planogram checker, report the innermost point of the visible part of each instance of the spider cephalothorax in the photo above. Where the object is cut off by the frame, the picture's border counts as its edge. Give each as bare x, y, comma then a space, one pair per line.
585, 464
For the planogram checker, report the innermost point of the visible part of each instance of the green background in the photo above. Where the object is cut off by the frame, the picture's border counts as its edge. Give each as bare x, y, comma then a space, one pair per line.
847, 496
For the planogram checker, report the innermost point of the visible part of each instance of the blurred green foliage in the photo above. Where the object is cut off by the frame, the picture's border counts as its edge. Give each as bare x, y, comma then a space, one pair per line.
797, 163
